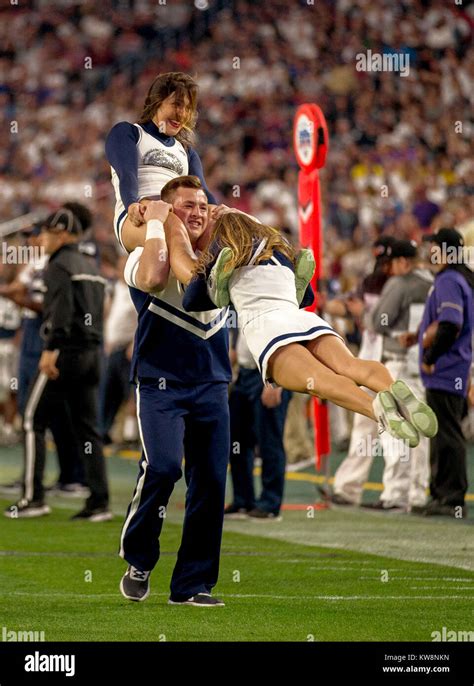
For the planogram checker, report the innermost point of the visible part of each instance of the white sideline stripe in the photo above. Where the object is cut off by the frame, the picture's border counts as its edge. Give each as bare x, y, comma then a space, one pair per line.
250, 595
421, 578
377, 570
139, 487
89, 277
429, 588
346, 597
30, 446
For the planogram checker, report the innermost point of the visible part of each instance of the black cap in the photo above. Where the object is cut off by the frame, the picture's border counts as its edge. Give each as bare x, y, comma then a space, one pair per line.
449, 237
383, 246
63, 220
404, 248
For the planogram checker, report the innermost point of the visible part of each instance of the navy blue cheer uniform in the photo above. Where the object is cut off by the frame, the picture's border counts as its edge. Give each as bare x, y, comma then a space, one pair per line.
181, 369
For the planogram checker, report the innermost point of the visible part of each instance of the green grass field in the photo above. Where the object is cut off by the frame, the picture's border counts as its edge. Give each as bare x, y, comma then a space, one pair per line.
342, 575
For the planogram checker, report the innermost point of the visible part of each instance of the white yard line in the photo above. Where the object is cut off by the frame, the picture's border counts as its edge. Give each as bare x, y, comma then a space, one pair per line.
98, 596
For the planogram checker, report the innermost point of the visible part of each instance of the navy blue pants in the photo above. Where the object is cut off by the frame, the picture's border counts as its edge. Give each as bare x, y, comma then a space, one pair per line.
114, 390
252, 423
175, 421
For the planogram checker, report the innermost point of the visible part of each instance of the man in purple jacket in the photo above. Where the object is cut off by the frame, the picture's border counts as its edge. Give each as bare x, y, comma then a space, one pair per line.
445, 367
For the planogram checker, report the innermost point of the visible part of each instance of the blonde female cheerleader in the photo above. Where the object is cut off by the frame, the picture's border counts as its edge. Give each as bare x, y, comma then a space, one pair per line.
252, 265
146, 155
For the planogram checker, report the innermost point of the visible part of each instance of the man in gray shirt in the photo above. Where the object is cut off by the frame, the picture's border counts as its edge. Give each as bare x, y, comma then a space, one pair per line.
398, 313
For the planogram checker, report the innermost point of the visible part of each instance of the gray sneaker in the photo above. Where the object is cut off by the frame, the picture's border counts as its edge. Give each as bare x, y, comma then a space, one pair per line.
199, 600
390, 419
218, 280
304, 270
135, 584
416, 411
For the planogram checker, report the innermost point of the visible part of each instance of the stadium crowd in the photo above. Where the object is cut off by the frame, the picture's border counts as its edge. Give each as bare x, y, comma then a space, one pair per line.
69, 71
399, 162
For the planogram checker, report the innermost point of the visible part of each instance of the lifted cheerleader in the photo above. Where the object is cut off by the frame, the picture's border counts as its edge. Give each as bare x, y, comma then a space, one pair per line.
253, 266
146, 155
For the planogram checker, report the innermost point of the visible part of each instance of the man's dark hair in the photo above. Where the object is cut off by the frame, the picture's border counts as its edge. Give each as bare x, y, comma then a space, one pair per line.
169, 189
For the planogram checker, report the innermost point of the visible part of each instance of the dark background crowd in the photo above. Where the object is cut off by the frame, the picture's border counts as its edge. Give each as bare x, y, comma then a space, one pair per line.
70, 70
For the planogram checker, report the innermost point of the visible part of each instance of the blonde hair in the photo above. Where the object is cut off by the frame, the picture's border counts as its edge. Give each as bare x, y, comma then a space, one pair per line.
240, 233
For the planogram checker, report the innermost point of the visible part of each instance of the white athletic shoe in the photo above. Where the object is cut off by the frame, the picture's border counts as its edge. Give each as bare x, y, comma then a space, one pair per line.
390, 419
27, 509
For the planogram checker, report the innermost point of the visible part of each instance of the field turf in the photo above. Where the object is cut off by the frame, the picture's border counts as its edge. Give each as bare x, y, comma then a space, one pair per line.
340, 575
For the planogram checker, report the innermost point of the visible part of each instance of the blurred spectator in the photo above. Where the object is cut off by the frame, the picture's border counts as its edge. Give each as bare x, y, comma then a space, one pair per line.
445, 340
27, 291
397, 314
10, 320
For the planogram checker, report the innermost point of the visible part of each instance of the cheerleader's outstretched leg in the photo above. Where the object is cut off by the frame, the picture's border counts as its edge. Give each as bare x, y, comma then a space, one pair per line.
332, 352
294, 367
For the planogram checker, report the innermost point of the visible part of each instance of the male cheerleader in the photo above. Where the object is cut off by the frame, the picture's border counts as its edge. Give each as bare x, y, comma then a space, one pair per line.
181, 370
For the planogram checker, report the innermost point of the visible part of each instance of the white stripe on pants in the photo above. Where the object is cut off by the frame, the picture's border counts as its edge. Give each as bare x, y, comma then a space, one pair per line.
30, 441
139, 487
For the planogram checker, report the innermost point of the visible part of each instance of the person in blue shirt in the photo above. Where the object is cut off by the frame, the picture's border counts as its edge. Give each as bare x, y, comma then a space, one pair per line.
146, 155
445, 343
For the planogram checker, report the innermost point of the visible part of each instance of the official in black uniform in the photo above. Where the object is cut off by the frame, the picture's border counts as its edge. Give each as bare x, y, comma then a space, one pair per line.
68, 369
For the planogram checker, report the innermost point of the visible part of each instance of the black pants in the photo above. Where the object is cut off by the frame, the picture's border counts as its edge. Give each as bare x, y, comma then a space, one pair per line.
448, 483
71, 465
253, 424
75, 388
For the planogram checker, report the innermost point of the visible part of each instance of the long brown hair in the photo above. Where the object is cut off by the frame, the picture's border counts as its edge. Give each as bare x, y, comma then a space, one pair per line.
185, 89
240, 233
